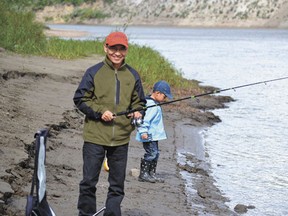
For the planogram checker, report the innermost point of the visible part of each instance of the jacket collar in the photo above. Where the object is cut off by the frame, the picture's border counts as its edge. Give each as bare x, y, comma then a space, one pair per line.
148, 97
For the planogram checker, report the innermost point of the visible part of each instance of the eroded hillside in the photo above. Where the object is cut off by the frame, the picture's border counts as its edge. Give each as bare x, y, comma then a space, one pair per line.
204, 13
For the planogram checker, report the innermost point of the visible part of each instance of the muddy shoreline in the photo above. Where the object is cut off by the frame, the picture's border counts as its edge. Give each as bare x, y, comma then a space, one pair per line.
37, 93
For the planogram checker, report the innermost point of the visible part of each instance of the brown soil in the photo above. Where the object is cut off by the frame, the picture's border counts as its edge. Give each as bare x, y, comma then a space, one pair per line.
36, 92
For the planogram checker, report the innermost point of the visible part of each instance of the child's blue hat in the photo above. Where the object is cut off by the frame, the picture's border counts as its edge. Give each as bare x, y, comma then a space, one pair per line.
163, 87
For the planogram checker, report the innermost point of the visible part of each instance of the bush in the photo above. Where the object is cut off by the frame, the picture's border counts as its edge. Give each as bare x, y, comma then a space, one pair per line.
19, 32
88, 13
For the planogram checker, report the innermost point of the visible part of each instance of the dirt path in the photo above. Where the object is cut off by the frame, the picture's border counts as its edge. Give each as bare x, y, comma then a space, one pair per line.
37, 92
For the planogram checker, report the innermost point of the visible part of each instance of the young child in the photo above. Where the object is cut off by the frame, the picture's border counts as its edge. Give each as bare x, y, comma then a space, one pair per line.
151, 131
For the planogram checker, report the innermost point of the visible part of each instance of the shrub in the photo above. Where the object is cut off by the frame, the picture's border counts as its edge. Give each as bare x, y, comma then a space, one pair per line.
19, 32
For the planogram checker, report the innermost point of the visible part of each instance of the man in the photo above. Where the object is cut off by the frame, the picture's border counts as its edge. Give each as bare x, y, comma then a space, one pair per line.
108, 87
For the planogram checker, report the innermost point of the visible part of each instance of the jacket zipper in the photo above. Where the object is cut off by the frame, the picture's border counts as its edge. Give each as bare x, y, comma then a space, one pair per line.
115, 102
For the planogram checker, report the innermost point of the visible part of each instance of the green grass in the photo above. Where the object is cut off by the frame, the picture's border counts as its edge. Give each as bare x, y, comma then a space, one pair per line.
72, 49
21, 34
153, 66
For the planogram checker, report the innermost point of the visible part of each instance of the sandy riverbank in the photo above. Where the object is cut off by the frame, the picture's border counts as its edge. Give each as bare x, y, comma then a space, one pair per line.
36, 92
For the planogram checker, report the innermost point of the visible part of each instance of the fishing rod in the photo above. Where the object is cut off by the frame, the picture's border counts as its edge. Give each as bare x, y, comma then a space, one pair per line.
198, 95
98, 212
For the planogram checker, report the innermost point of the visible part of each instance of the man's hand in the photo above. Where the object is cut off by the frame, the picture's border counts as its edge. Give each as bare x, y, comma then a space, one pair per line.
107, 116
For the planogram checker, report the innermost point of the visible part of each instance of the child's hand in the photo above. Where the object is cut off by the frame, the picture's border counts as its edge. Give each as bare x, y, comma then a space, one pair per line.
144, 136
136, 115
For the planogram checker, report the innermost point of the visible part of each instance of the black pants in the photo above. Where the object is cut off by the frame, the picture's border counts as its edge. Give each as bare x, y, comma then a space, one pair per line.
93, 156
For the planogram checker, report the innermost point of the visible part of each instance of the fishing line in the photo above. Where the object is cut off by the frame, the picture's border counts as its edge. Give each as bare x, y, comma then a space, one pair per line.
198, 95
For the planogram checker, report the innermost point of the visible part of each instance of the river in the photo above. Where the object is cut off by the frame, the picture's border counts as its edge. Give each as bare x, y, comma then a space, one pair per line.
248, 150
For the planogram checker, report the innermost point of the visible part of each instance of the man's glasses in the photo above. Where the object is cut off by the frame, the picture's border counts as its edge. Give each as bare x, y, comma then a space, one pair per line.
114, 49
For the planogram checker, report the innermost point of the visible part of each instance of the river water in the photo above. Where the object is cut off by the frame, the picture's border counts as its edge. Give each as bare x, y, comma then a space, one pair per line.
248, 150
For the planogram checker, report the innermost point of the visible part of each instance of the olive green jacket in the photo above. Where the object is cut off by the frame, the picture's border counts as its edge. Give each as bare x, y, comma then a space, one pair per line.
105, 88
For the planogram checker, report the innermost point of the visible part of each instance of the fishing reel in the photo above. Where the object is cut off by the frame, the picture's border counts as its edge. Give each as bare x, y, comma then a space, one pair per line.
136, 121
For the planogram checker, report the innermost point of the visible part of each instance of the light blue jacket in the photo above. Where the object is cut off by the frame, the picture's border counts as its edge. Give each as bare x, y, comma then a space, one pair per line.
152, 123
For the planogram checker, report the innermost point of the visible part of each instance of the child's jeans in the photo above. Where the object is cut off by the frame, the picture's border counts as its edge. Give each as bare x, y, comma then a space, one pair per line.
152, 151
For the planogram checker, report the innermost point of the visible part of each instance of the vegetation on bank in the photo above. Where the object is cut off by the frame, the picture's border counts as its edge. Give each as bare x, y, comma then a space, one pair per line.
21, 34
208, 13
40, 4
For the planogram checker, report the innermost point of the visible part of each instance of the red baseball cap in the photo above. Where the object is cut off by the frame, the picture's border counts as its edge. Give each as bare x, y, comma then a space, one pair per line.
115, 38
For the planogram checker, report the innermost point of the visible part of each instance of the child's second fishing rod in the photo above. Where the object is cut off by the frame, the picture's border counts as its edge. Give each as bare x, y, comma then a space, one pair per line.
199, 95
